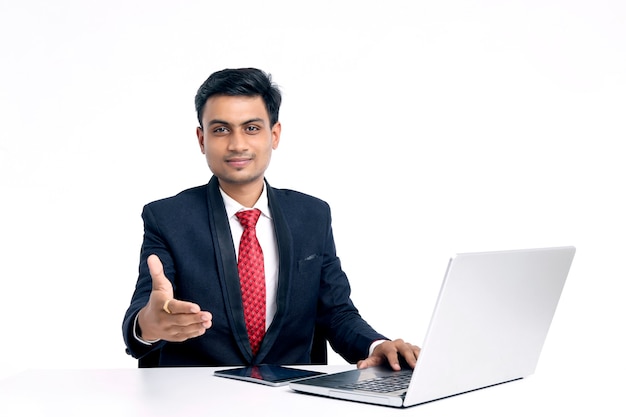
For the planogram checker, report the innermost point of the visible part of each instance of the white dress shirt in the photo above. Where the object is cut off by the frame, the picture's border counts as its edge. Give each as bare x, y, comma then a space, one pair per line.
267, 239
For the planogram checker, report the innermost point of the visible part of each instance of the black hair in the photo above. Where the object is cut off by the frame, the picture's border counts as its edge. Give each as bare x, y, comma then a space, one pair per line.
249, 82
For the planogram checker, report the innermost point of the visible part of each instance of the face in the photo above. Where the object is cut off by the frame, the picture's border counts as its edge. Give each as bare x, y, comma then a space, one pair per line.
237, 140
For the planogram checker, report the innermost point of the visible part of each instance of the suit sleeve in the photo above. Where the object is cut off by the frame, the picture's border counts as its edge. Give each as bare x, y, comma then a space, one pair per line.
347, 332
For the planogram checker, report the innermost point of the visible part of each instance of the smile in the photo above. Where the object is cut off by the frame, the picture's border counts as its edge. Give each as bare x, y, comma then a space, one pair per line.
239, 162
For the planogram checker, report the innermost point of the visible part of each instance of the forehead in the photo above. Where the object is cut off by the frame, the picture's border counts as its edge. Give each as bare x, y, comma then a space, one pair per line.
234, 109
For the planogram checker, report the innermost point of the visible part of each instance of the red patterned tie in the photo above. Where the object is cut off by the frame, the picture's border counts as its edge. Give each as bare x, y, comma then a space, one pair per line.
252, 278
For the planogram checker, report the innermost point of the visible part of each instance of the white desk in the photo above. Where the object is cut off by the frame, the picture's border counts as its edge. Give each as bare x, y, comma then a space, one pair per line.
196, 392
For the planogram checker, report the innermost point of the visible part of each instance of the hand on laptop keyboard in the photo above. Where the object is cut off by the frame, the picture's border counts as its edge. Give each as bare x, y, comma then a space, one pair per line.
391, 352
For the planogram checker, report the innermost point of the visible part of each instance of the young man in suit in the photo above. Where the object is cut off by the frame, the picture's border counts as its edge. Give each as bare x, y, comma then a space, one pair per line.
188, 308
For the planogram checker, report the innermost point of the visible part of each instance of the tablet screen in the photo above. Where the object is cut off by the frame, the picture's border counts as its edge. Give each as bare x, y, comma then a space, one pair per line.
274, 375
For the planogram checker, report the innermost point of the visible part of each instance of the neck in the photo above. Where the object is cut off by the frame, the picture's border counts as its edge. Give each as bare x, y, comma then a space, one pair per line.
245, 194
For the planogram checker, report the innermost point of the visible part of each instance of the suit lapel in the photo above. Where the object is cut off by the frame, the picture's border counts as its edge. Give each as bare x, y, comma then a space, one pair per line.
227, 266
229, 275
285, 256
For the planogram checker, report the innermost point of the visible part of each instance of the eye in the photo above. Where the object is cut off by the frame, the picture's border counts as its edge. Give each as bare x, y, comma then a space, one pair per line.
251, 129
220, 130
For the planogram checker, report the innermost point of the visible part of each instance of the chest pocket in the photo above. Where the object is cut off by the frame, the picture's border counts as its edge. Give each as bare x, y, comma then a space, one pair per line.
310, 264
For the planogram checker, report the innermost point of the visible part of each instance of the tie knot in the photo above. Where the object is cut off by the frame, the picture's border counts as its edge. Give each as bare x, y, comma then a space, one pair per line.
248, 218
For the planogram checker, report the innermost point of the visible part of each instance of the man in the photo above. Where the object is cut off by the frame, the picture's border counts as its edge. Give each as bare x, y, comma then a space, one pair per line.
191, 306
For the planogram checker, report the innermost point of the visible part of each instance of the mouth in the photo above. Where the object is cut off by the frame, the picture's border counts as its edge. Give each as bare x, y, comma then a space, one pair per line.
239, 162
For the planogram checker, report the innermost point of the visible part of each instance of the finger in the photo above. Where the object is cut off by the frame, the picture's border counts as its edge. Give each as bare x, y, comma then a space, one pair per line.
390, 351
182, 333
393, 360
159, 280
179, 323
184, 326
370, 361
409, 353
182, 307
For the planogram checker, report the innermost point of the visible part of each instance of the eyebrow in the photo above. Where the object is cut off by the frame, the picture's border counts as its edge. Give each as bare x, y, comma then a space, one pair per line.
224, 122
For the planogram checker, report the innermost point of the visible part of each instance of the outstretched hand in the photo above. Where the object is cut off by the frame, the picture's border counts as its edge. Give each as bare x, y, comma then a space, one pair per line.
164, 317
390, 352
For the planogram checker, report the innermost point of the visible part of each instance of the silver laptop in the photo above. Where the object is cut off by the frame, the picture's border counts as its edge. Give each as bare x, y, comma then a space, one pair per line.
488, 327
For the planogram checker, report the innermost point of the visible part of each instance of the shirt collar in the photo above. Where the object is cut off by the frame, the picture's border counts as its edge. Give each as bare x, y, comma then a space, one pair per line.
233, 206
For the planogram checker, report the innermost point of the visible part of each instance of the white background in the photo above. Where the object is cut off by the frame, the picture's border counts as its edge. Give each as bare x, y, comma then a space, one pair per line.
457, 125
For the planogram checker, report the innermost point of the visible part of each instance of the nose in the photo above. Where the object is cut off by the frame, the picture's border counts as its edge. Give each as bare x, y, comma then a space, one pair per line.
237, 142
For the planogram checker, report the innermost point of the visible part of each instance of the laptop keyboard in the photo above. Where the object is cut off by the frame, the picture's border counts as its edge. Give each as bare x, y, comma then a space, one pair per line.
389, 383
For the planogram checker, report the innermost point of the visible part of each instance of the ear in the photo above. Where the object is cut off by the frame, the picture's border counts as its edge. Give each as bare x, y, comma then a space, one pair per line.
200, 135
276, 129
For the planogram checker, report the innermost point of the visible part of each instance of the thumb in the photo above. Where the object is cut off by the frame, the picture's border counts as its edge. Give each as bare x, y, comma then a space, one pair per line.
159, 280
368, 362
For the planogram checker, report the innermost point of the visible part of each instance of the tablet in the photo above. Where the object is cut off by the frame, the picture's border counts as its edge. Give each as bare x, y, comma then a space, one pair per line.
273, 375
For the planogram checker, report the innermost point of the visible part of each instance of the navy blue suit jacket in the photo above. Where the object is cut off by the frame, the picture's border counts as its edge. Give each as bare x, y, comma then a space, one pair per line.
191, 234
